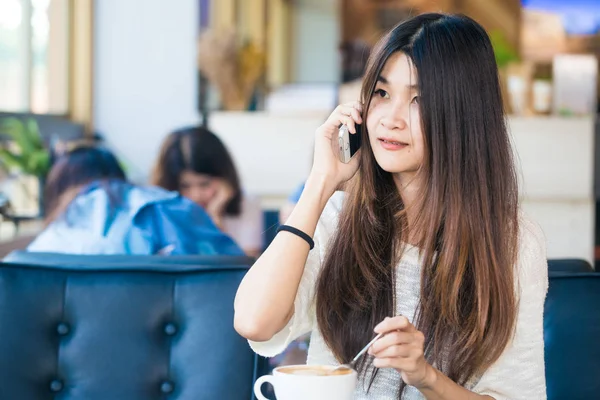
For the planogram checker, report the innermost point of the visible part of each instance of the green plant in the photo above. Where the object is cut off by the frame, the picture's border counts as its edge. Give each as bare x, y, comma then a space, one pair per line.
503, 51
25, 151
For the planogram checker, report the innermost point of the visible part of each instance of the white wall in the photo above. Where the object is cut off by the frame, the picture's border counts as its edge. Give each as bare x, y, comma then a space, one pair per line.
145, 75
273, 152
556, 160
316, 38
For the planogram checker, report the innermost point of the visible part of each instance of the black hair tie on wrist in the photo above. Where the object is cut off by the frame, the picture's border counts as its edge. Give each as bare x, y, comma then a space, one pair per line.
298, 233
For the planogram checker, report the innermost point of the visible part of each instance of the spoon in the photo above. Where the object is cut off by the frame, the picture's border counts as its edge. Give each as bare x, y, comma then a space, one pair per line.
351, 364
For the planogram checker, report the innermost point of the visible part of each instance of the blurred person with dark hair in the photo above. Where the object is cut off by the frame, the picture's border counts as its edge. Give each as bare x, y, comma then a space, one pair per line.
354, 56
92, 209
75, 169
196, 163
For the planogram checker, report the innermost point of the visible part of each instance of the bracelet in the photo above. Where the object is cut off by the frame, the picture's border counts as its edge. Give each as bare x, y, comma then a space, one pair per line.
298, 233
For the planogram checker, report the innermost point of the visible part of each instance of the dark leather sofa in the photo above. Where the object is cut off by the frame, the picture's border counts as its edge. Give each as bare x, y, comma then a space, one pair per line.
122, 328
572, 336
569, 265
147, 327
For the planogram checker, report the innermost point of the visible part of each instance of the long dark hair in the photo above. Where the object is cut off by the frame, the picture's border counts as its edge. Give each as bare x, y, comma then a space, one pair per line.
467, 220
75, 169
198, 150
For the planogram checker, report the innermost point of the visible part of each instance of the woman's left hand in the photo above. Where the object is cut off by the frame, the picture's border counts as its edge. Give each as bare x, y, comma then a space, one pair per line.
401, 348
216, 206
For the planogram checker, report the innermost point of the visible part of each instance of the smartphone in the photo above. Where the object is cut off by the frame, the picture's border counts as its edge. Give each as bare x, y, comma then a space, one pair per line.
348, 143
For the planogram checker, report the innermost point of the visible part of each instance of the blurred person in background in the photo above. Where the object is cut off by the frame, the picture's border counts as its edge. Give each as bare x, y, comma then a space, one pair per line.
92, 209
196, 163
354, 55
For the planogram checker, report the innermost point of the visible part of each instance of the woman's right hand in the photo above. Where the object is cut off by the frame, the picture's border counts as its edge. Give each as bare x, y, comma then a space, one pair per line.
326, 163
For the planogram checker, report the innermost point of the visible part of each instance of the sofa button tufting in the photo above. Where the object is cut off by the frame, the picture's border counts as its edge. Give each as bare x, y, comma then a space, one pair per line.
170, 328
63, 329
167, 387
56, 385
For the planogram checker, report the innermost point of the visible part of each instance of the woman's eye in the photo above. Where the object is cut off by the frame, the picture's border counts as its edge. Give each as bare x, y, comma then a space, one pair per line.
382, 93
415, 100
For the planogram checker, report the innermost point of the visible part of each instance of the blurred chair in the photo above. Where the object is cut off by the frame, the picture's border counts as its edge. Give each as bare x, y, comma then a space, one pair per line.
569, 265
122, 328
271, 223
572, 336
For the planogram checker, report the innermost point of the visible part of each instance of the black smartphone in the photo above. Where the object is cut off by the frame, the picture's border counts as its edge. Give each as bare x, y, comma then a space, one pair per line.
348, 143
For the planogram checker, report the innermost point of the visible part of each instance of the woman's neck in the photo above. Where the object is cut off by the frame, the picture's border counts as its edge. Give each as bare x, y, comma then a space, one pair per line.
408, 187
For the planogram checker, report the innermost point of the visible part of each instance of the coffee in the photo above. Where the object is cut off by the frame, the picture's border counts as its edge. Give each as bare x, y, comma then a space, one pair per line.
314, 370
314, 382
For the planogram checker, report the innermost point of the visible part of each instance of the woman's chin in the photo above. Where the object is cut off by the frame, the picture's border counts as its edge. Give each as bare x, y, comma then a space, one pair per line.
393, 168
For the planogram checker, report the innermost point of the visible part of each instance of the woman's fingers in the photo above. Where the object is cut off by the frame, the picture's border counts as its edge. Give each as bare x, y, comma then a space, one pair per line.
393, 324
355, 114
345, 114
394, 351
349, 122
389, 340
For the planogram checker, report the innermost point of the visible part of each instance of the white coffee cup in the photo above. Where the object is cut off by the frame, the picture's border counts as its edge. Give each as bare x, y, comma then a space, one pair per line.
302, 382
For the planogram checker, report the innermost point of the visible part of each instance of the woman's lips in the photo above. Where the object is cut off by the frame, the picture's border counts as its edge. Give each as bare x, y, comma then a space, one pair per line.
391, 144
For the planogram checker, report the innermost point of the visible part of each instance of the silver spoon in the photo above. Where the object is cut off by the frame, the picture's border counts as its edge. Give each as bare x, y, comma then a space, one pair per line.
350, 365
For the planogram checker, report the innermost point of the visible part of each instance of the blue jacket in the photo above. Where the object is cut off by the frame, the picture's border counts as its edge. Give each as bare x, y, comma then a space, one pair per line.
119, 218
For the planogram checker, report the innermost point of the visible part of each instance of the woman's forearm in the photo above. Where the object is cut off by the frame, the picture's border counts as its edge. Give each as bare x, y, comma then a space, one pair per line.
440, 387
265, 299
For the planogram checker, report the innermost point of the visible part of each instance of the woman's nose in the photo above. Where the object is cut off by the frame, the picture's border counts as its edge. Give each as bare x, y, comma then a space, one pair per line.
401, 112
394, 119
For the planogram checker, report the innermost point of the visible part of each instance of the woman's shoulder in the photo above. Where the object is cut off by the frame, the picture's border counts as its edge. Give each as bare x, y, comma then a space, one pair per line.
139, 196
330, 216
532, 261
531, 235
334, 204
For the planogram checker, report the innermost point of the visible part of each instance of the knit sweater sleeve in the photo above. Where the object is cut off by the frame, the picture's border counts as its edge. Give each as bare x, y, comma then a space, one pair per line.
519, 372
304, 317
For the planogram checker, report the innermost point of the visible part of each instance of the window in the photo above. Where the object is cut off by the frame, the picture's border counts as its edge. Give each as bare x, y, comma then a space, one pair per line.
34, 45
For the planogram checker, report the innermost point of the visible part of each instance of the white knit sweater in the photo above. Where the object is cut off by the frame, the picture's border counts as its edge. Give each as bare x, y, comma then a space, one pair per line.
517, 374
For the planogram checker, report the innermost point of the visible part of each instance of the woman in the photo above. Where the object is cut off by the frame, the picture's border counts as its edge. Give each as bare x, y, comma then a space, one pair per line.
428, 245
194, 162
92, 209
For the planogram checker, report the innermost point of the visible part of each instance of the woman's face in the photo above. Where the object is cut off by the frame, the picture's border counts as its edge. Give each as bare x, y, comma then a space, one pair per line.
199, 188
394, 120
